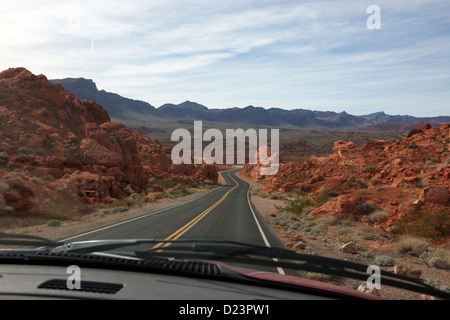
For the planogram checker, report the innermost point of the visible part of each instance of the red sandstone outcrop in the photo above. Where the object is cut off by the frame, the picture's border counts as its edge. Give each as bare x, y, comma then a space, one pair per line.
406, 179
56, 148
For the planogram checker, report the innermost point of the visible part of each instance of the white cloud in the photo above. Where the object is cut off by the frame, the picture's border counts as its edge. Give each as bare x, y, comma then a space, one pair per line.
235, 53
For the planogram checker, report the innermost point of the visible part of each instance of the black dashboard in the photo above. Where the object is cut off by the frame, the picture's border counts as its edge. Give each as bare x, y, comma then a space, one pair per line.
51, 282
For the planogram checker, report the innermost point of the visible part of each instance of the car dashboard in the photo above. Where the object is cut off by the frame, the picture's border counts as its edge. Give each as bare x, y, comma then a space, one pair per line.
51, 282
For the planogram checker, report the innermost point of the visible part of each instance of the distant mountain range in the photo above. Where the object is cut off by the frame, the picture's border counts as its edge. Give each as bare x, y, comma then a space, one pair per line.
116, 105
122, 108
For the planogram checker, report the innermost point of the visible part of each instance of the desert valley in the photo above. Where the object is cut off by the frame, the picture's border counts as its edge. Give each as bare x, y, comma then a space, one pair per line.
365, 191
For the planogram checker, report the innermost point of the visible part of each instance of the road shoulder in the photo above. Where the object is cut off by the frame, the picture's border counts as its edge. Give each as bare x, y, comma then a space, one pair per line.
99, 220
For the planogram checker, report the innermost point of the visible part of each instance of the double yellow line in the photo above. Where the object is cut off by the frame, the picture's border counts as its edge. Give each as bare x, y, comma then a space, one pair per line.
193, 222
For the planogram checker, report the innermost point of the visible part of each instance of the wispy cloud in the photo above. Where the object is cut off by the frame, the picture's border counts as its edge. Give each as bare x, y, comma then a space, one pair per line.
291, 54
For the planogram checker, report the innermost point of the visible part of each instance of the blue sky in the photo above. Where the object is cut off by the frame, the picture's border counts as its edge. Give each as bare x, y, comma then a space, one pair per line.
316, 55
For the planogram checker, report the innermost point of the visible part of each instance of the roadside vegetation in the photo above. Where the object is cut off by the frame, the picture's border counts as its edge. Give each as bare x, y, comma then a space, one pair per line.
53, 212
328, 235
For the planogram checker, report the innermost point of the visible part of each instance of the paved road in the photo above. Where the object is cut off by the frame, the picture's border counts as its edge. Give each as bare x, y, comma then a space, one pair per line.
225, 213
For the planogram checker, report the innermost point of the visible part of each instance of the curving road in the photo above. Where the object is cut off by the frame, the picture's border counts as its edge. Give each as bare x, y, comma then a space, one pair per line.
225, 213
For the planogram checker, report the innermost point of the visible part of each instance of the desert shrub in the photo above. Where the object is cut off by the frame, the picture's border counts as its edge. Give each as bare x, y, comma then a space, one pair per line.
54, 223
48, 143
304, 187
435, 284
385, 261
433, 226
135, 197
343, 230
329, 221
129, 190
120, 209
258, 193
309, 224
35, 162
296, 225
24, 150
325, 196
361, 184
116, 203
378, 216
412, 246
9, 165
368, 236
403, 184
165, 183
438, 258
344, 239
276, 196
366, 208
307, 218
184, 190
371, 168
297, 206
17, 173
347, 184
61, 209
322, 224
279, 221
330, 192
374, 181
41, 152
147, 199
437, 262
420, 184
366, 254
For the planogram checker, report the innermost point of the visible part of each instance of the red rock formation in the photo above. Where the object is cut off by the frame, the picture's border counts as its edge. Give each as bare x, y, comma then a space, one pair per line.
398, 177
54, 146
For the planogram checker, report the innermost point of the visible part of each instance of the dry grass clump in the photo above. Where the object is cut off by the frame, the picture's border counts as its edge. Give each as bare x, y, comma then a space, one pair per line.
438, 258
378, 216
430, 225
412, 246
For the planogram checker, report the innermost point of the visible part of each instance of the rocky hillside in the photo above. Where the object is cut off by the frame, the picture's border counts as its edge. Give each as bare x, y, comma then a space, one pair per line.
60, 156
400, 186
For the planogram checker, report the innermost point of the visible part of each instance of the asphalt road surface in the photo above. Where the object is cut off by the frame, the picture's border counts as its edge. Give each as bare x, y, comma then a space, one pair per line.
225, 213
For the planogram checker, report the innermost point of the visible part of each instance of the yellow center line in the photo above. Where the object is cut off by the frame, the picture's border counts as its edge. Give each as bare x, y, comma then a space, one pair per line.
194, 221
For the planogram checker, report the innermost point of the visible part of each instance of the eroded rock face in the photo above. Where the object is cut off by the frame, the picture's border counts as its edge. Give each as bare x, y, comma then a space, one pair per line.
406, 179
436, 194
55, 146
341, 150
18, 195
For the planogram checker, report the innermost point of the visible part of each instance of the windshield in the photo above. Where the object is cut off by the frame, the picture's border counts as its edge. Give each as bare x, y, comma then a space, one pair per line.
222, 130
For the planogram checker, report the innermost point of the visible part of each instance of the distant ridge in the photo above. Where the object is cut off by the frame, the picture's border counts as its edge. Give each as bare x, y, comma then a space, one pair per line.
116, 105
127, 109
